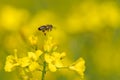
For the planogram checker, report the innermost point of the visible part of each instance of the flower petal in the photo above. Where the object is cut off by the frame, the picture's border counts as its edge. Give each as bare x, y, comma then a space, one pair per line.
52, 67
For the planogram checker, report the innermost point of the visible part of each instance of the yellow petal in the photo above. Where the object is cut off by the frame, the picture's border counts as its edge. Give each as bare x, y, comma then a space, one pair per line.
38, 53
25, 61
33, 40
48, 58
79, 66
56, 55
63, 54
11, 62
52, 67
33, 66
32, 55
58, 64
8, 67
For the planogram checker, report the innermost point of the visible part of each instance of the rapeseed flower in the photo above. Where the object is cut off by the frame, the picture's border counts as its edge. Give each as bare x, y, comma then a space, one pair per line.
46, 59
11, 63
78, 66
54, 60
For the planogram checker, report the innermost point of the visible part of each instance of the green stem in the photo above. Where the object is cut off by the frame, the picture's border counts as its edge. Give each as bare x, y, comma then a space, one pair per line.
44, 70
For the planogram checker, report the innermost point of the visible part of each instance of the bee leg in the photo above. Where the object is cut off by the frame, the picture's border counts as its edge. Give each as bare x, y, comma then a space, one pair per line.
44, 33
50, 29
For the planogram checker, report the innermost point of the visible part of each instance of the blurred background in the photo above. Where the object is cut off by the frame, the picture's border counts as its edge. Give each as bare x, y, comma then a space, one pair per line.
83, 28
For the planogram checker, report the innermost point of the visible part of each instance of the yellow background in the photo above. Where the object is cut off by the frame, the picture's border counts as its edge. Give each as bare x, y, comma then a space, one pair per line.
83, 28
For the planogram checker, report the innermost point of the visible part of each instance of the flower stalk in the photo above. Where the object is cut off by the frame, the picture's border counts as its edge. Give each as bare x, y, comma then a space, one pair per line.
44, 71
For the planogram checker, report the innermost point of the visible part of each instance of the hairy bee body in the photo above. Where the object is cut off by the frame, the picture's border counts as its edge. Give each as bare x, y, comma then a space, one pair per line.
45, 28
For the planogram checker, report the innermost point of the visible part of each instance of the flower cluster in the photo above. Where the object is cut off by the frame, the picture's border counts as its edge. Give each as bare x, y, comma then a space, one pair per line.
45, 59
30, 61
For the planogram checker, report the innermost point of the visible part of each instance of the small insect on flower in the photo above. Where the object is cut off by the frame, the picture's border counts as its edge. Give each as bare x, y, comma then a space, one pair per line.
45, 28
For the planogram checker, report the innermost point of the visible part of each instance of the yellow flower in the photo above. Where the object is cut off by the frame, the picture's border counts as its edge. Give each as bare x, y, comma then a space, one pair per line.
54, 60
57, 57
79, 67
48, 58
31, 60
11, 62
33, 66
49, 45
35, 55
11, 18
38, 53
52, 67
24, 62
33, 40
32, 56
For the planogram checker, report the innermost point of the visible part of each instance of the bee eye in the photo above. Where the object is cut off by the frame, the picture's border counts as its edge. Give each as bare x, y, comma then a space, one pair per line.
39, 28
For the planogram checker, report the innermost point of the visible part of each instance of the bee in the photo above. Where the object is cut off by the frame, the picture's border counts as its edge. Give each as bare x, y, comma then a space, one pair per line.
45, 28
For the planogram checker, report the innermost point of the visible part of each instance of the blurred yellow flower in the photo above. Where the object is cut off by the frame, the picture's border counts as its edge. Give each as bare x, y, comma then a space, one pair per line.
79, 67
92, 16
11, 17
29, 61
109, 13
25, 61
33, 40
57, 57
33, 66
32, 56
35, 56
48, 58
54, 60
49, 45
52, 67
11, 62
38, 53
